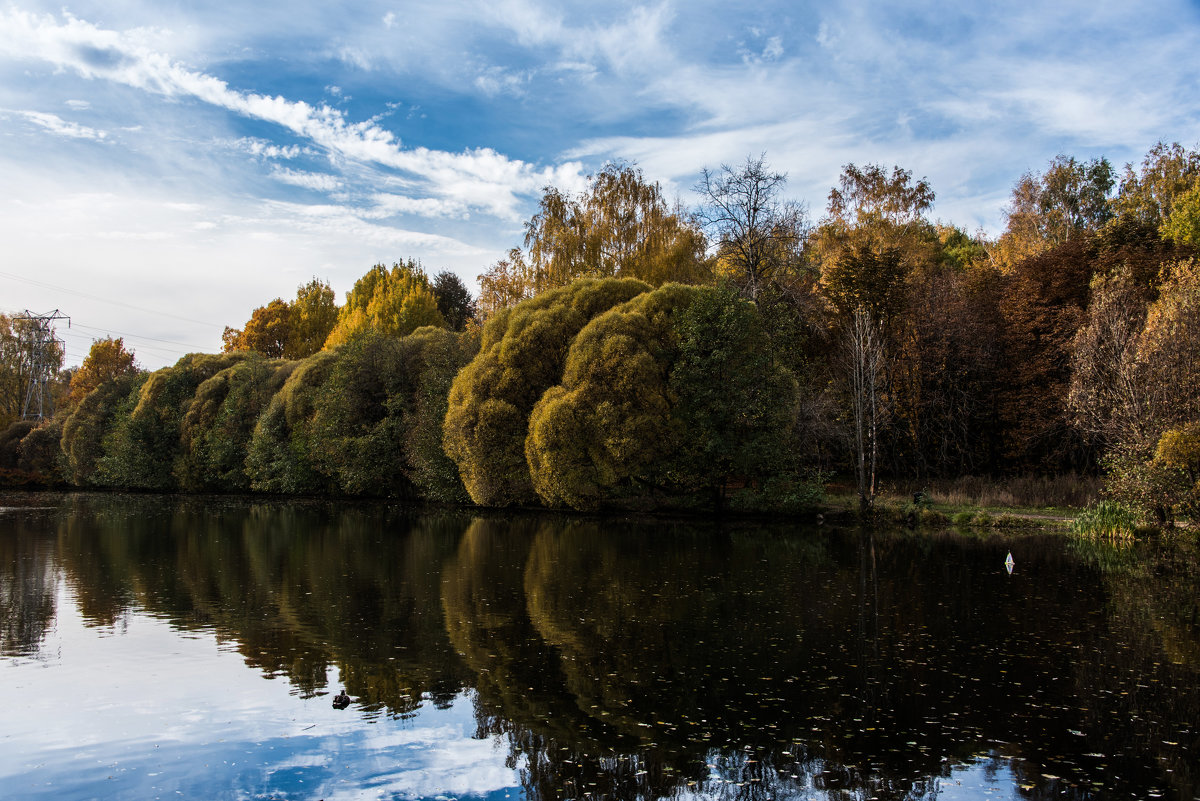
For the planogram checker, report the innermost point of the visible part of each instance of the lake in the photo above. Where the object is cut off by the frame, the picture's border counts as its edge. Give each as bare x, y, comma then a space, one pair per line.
165, 647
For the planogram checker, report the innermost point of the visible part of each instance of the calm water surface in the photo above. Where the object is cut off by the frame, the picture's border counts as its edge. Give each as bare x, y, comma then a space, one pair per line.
167, 648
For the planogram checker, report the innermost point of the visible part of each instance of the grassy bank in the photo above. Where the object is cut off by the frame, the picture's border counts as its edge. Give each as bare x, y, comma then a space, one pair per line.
977, 502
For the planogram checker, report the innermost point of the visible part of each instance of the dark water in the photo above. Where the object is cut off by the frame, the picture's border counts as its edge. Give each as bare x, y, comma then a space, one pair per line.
165, 648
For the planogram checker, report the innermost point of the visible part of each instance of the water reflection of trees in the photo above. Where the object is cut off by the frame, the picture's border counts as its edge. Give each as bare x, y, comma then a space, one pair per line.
641, 661
295, 588
27, 584
791, 663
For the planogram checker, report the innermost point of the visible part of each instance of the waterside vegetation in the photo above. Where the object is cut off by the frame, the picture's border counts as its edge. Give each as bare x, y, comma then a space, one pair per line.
634, 355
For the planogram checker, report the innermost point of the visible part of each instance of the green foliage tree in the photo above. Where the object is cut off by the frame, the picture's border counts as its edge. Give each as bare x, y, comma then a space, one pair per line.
522, 353
39, 450
282, 455
674, 391
358, 412
10, 442
440, 355
453, 300
220, 419
91, 421
139, 453
395, 302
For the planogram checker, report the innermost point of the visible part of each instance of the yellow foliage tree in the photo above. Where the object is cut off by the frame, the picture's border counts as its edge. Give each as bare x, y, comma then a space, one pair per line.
107, 360
394, 302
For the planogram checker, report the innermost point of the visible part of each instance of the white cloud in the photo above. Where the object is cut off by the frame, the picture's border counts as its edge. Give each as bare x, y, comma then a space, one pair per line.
58, 126
306, 180
79, 105
389, 20
480, 178
497, 80
388, 205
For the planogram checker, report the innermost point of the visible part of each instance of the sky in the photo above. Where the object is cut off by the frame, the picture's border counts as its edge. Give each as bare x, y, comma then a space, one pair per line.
166, 167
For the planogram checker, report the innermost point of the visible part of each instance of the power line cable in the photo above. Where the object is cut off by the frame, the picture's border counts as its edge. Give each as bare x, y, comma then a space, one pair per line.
56, 288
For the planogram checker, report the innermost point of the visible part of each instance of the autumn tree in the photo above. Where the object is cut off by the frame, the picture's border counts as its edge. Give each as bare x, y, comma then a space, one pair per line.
312, 315
1070, 199
106, 360
759, 235
1136, 384
288, 330
395, 302
874, 217
1148, 194
620, 226
266, 332
16, 365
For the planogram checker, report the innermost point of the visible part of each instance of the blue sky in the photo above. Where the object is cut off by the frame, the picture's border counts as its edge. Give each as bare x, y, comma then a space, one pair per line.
165, 167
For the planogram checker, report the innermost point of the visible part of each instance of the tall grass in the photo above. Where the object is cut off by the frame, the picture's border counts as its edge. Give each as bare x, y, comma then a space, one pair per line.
1107, 520
1068, 490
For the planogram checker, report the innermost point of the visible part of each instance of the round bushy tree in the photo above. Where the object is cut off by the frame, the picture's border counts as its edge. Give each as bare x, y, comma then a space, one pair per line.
219, 423
281, 455
521, 355
675, 391
93, 419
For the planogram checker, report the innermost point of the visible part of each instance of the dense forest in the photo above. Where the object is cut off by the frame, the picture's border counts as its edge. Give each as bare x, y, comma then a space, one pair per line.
635, 354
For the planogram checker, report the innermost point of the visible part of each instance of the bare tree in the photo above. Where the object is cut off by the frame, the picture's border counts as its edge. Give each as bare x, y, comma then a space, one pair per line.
758, 234
864, 359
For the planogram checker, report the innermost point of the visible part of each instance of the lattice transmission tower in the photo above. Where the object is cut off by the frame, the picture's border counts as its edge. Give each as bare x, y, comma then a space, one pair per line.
43, 348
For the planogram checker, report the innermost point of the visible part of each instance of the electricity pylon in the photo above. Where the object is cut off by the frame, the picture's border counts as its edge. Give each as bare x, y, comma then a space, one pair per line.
40, 342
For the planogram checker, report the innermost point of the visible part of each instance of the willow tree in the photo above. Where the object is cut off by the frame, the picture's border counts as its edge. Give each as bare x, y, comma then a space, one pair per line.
521, 355
216, 429
91, 421
675, 392
141, 450
281, 455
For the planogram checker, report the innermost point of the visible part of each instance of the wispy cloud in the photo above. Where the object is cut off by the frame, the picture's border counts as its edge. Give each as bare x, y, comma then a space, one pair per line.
307, 180
57, 125
479, 178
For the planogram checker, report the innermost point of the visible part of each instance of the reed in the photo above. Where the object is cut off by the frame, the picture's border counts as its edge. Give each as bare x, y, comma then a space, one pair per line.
1107, 520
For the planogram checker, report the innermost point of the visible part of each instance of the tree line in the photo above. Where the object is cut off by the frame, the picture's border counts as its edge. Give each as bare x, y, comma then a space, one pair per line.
633, 353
